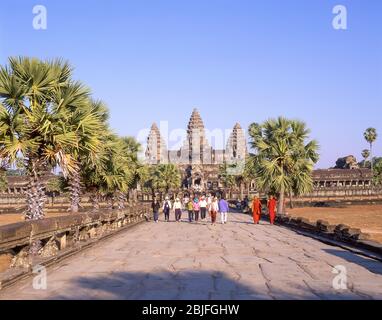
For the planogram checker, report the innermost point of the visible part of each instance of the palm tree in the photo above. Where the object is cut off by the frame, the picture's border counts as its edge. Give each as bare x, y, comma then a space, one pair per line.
111, 174
165, 177
33, 125
371, 136
142, 177
3, 180
249, 173
89, 118
284, 161
130, 149
226, 177
365, 155
378, 171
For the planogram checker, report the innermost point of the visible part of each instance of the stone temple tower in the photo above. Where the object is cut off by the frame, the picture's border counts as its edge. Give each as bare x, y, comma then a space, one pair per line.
199, 162
156, 151
196, 149
236, 150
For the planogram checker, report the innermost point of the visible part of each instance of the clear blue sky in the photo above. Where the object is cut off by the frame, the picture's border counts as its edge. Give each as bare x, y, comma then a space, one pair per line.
235, 60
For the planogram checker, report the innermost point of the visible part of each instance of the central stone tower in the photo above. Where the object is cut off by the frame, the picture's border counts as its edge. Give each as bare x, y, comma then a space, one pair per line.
196, 149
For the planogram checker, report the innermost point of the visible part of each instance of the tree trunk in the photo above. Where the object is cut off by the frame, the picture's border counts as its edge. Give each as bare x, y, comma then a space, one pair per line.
94, 198
290, 200
280, 204
121, 200
241, 191
110, 201
371, 158
35, 198
75, 192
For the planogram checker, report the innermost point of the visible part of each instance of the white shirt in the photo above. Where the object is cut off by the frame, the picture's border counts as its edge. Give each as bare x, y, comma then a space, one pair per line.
203, 204
214, 206
177, 205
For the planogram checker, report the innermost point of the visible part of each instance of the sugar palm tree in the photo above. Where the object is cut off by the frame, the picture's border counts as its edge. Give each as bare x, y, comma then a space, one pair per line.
33, 125
111, 174
142, 176
165, 177
145, 178
226, 177
89, 118
130, 149
378, 171
229, 177
365, 155
284, 160
3, 180
371, 136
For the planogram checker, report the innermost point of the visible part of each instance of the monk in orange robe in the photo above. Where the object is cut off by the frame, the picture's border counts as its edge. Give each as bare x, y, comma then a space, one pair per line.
272, 209
256, 210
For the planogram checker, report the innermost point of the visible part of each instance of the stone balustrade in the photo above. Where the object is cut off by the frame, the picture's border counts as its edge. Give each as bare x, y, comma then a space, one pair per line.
42, 242
340, 233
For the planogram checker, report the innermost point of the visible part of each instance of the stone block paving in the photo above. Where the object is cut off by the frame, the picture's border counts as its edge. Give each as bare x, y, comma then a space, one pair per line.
239, 260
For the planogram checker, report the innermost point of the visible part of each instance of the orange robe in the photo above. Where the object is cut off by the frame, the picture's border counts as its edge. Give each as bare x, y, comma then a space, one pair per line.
256, 210
272, 210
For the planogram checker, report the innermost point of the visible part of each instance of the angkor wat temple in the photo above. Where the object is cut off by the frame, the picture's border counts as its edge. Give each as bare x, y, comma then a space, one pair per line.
198, 161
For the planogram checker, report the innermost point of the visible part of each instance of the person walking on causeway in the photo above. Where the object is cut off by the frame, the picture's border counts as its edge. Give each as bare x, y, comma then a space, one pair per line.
256, 210
272, 203
167, 208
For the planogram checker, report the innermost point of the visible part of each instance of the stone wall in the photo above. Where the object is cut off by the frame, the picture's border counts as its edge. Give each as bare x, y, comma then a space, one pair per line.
16, 203
332, 233
42, 242
342, 194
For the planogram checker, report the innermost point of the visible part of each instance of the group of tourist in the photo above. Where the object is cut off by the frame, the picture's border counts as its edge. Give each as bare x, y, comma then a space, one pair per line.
197, 208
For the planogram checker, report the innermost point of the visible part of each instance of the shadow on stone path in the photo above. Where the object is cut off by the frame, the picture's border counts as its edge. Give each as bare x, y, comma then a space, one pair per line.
169, 286
373, 266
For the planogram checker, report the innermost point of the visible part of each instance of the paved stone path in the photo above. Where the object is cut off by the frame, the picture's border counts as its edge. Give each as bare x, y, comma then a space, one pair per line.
199, 261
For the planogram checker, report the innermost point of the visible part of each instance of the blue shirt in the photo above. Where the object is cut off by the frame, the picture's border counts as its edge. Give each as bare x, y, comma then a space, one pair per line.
223, 206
